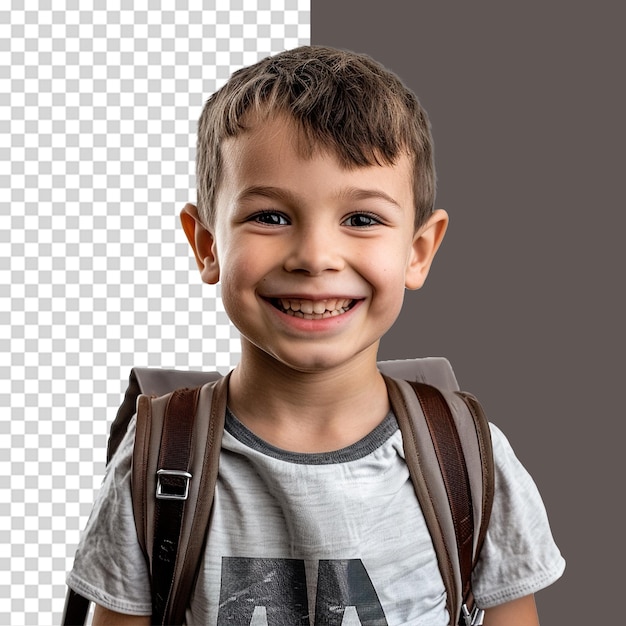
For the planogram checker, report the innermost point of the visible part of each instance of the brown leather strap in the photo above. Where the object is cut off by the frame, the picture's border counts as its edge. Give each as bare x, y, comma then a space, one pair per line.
75, 610
453, 469
202, 512
488, 473
421, 460
151, 381
438, 429
139, 487
172, 489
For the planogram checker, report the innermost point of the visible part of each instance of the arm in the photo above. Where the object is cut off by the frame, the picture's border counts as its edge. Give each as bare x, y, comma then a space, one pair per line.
105, 617
520, 612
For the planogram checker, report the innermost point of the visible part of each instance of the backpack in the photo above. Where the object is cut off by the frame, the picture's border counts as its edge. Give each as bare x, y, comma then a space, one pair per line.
447, 447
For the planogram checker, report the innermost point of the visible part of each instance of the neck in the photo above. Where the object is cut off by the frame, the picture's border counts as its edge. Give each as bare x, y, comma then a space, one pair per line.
307, 411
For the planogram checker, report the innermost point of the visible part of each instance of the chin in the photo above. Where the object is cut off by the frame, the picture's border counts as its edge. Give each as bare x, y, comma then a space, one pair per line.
319, 362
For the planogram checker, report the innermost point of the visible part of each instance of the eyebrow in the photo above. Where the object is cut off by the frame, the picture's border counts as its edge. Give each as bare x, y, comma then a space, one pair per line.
356, 193
350, 193
276, 193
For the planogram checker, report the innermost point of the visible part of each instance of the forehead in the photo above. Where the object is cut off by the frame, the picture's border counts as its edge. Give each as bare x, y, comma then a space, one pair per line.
275, 152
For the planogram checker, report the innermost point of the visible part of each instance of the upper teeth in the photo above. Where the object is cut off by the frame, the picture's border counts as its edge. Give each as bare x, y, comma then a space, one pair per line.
315, 307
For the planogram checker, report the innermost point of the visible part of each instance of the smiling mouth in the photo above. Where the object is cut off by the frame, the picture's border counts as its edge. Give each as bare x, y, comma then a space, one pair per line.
313, 309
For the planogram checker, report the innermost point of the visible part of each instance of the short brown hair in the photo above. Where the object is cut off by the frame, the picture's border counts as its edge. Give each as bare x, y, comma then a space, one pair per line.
341, 101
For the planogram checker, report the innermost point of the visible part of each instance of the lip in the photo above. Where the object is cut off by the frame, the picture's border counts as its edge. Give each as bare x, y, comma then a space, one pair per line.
296, 295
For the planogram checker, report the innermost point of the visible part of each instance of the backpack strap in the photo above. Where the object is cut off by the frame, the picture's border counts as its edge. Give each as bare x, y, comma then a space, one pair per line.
448, 452
172, 491
172, 529
150, 381
75, 610
483, 439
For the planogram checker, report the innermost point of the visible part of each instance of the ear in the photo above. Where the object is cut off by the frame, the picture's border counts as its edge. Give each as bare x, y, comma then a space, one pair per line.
202, 242
426, 242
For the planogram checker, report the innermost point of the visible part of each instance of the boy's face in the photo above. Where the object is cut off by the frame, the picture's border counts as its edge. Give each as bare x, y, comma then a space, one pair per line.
313, 258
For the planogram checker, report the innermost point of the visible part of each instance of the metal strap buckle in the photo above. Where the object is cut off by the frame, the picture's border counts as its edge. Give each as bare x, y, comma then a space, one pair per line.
475, 618
177, 489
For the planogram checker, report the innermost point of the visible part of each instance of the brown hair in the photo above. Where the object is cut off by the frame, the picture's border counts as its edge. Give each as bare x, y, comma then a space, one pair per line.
341, 101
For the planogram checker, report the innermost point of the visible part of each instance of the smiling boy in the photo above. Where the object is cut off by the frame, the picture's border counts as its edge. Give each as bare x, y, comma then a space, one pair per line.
315, 213
314, 259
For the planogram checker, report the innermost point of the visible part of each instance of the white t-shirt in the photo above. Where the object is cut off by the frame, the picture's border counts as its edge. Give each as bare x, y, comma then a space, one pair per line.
335, 538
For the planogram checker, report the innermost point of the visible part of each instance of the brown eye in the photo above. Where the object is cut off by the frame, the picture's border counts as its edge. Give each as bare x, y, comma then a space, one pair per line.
361, 220
270, 218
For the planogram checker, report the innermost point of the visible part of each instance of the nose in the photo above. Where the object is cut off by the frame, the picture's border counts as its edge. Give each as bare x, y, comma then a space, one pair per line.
315, 250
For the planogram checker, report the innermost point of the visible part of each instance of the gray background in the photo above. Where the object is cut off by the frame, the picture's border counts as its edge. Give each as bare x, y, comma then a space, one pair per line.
527, 103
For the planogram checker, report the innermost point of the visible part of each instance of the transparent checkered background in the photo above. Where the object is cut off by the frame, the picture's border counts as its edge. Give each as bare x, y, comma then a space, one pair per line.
98, 109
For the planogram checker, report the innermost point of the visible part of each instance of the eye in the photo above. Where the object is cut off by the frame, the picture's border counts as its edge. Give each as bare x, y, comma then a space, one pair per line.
362, 220
269, 218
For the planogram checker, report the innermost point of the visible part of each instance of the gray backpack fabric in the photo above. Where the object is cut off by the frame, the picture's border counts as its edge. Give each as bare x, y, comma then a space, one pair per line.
447, 447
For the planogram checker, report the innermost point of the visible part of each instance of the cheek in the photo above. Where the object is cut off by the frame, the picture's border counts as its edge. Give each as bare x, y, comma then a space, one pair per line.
391, 285
389, 290
234, 304
239, 279
237, 264
387, 271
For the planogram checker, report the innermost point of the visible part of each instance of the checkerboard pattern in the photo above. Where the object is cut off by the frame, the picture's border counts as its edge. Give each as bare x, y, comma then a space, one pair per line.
98, 109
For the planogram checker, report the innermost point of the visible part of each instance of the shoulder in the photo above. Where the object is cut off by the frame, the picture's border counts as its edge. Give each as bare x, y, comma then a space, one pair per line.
109, 566
517, 501
513, 482
519, 556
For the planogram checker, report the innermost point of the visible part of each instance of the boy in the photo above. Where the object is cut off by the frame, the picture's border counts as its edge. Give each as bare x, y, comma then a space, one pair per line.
315, 212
